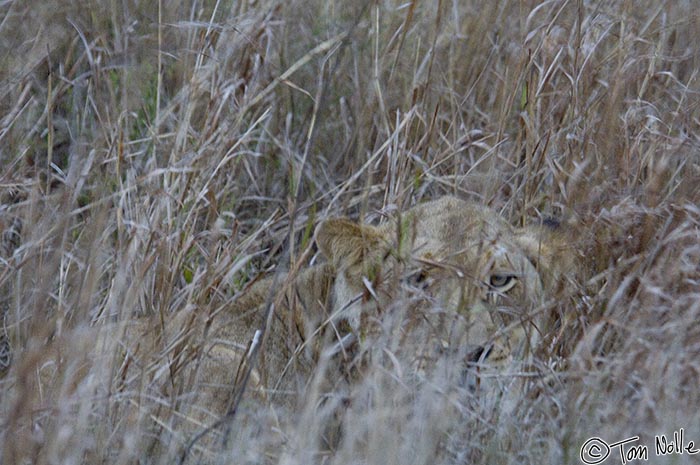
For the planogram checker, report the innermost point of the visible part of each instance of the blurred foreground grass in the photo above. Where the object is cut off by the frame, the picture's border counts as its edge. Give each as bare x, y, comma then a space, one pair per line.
160, 155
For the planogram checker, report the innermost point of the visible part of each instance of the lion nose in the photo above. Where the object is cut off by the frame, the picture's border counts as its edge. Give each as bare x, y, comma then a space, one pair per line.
470, 378
479, 354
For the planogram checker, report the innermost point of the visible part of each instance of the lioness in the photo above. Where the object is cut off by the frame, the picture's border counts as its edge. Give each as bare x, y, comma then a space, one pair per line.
445, 277
444, 262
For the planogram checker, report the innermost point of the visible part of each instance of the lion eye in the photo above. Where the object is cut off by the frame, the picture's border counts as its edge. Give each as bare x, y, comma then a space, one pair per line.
418, 279
502, 282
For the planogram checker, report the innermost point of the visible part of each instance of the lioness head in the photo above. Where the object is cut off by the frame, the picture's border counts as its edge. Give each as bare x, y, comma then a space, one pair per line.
450, 263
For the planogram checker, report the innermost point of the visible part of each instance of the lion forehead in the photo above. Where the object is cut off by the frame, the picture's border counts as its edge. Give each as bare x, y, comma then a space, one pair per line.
449, 227
446, 243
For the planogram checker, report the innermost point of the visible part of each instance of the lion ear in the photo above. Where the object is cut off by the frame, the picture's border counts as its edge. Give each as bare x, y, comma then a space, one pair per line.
551, 251
343, 241
536, 243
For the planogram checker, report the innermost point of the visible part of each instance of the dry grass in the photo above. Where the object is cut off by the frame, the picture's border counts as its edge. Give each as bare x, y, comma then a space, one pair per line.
161, 158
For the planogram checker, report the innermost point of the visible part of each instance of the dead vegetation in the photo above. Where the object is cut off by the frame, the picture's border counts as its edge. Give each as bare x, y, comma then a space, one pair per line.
157, 157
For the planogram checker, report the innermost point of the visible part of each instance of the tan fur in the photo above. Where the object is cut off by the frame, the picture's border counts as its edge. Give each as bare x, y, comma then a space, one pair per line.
447, 274
458, 248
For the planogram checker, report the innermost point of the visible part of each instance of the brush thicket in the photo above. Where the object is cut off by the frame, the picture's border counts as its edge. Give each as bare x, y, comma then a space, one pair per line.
158, 157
